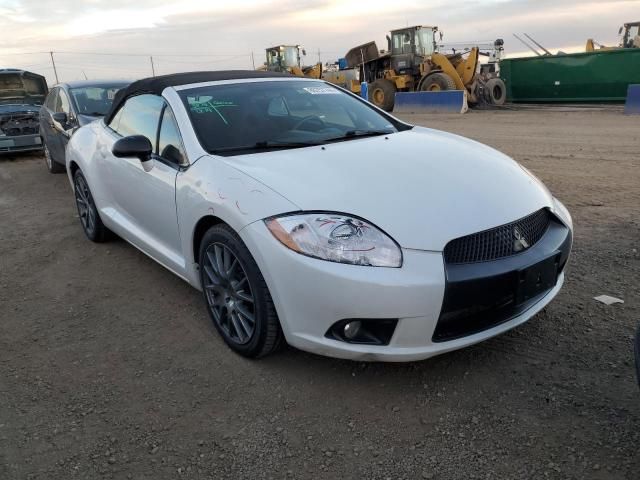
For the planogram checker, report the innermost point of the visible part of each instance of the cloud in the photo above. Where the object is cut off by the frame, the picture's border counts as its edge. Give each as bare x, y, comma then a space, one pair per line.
174, 31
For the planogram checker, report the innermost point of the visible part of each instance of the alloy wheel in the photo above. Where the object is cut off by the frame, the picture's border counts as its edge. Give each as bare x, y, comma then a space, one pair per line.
84, 201
228, 293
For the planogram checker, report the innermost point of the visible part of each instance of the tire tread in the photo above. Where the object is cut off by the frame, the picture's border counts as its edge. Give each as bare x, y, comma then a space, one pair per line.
101, 233
273, 337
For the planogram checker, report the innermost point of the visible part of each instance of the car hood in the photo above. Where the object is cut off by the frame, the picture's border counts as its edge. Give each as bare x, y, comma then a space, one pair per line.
423, 187
22, 87
86, 119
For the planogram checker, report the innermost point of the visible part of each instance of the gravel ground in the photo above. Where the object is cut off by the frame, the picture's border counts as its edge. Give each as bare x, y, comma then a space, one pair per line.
109, 367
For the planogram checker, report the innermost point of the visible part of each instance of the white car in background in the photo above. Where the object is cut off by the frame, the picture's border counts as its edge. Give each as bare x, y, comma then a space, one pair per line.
306, 214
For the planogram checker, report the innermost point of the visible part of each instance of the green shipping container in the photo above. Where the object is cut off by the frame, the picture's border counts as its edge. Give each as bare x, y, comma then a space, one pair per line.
601, 76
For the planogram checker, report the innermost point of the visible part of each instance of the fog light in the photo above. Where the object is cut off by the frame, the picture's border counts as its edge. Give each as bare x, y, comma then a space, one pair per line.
352, 329
363, 331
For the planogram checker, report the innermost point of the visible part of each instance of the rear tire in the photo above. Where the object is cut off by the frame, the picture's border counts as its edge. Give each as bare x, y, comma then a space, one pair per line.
236, 295
382, 93
52, 165
90, 219
437, 82
495, 92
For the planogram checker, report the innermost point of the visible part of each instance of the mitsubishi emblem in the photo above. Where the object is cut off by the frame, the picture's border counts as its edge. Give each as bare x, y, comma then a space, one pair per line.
519, 243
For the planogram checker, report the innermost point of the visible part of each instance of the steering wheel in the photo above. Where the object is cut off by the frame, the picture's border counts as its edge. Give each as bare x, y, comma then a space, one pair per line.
310, 118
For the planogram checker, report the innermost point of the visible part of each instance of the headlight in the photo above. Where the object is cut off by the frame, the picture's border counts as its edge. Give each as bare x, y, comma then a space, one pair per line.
563, 213
336, 238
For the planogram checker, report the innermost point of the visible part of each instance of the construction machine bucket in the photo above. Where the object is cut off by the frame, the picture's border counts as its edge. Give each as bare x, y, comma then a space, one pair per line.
446, 101
632, 105
362, 54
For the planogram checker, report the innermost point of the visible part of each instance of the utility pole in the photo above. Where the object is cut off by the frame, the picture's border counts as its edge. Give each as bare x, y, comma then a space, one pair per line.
153, 69
253, 61
319, 59
54, 67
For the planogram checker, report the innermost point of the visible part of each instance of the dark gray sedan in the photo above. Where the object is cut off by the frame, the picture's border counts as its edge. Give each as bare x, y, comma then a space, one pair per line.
68, 107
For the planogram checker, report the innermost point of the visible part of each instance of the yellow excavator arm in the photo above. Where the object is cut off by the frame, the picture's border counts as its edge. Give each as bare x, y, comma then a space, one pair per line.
461, 70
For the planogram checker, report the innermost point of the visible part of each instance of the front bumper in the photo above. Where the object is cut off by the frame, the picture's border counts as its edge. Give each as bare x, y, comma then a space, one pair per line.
311, 295
22, 143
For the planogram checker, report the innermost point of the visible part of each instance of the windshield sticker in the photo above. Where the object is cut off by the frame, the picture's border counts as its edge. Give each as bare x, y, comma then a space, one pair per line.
212, 106
322, 91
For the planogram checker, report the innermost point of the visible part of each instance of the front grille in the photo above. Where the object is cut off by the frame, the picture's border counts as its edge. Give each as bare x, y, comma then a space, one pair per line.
499, 242
480, 296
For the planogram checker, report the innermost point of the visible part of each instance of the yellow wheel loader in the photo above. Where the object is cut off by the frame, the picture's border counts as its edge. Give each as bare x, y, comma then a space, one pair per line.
287, 58
630, 38
413, 63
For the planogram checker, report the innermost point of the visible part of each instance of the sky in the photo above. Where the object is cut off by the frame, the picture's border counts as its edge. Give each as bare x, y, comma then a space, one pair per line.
114, 38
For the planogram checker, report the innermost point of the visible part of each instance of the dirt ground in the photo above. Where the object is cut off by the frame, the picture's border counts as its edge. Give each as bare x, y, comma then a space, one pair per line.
109, 367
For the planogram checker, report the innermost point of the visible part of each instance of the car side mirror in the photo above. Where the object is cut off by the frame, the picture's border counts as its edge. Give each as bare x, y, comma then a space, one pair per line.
137, 146
60, 117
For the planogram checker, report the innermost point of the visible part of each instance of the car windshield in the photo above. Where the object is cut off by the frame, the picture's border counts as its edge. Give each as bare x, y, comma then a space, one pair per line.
94, 100
257, 116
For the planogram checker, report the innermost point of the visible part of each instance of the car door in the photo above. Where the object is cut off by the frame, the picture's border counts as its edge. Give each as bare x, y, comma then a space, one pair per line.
402, 50
63, 130
47, 131
141, 202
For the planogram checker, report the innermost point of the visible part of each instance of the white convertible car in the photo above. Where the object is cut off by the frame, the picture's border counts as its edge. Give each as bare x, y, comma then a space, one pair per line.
307, 215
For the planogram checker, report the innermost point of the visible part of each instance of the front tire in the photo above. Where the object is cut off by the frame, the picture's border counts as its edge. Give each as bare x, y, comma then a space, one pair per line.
437, 82
90, 220
52, 165
236, 295
382, 93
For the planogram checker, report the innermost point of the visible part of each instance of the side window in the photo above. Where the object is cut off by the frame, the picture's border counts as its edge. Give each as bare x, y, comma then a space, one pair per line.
115, 121
140, 115
50, 102
406, 47
397, 43
62, 102
169, 141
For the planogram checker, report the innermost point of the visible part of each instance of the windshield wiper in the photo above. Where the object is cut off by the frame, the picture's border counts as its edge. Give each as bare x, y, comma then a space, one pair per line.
266, 145
358, 134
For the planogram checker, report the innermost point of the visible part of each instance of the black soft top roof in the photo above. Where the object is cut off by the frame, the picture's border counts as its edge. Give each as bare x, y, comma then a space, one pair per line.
155, 85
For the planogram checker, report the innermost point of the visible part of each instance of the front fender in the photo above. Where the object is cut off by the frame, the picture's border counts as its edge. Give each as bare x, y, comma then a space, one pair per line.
80, 150
211, 187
